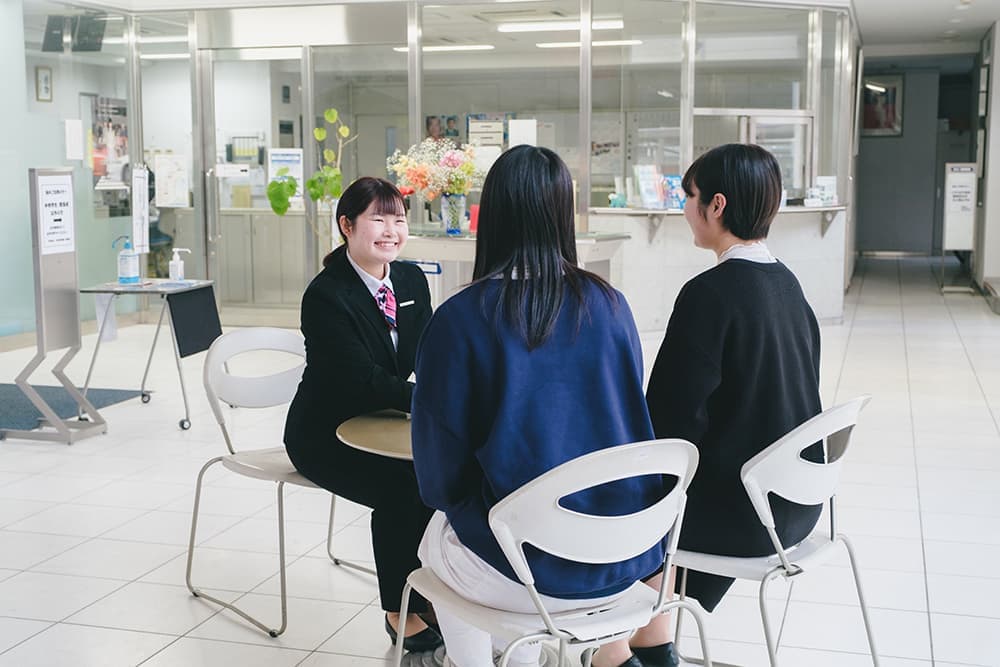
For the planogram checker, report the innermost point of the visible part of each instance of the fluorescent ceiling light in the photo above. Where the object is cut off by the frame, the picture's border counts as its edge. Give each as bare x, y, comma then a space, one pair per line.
449, 48
875, 87
559, 26
165, 56
164, 39
665, 93
576, 45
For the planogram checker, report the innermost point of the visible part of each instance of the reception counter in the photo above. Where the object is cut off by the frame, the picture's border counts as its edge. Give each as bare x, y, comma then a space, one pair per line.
659, 257
456, 255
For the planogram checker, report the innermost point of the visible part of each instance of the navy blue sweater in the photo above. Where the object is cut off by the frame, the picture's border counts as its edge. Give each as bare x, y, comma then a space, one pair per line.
490, 415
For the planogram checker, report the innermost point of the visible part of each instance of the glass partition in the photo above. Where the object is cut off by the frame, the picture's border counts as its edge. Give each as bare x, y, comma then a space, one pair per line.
751, 57
497, 62
76, 116
166, 140
367, 84
636, 92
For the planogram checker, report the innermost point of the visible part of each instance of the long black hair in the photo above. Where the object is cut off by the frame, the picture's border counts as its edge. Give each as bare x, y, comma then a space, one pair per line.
527, 240
359, 195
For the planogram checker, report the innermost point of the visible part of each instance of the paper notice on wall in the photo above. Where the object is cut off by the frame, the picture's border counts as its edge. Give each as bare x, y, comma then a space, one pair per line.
109, 325
56, 223
290, 159
171, 180
140, 210
73, 128
960, 206
486, 156
486, 132
522, 131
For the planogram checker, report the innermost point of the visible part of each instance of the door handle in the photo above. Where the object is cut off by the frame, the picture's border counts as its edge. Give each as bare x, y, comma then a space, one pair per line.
212, 205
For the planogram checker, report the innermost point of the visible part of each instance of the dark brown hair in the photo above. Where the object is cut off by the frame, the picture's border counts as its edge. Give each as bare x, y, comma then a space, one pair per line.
748, 177
361, 194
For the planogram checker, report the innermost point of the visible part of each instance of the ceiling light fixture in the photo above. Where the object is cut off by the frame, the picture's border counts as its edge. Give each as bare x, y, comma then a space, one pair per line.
163, 39
875, 87
576, 45
448, 48
559, 26
665, 93
165, 56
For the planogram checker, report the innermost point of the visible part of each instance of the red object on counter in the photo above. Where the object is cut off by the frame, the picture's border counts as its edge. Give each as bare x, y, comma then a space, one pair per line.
473, 217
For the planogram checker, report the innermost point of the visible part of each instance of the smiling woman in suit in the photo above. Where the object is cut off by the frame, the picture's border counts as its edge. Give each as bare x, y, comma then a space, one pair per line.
361, 317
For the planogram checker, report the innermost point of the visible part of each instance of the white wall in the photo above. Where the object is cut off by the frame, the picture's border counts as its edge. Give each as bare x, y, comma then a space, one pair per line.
242, 101
987, 258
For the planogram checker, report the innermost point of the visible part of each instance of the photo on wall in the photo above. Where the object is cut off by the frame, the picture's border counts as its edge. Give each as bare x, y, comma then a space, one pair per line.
882, 114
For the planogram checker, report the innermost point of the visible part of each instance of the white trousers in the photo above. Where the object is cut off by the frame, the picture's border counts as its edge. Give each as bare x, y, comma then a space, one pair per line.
476, 580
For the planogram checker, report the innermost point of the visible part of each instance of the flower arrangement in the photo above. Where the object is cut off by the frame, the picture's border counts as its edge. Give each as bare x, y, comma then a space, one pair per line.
435, 167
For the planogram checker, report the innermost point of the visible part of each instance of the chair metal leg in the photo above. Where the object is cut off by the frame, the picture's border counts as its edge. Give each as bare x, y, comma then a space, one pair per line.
772, 648
329, 544
861, 597
684, 604
511, 647
562, 652
404, 609
198, 593
588, 657
784, 614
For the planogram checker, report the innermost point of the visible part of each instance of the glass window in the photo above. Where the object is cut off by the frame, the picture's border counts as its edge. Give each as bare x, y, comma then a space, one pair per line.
76, 82
636, 91
166, 140
832, 138
496, 62
367, 84
750, 57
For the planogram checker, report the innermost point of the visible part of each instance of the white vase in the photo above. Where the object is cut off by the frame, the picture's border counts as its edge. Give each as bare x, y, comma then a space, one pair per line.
452, 213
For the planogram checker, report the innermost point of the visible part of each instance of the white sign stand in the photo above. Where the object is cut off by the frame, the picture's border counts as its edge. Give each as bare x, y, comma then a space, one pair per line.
57, 305
959, 227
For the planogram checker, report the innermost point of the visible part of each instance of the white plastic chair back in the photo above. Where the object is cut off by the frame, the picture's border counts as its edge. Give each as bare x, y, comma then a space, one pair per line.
780, 469
533, 513
263, 391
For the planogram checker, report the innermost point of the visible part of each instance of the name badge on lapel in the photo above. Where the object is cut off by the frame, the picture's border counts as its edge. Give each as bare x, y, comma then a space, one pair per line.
406, 303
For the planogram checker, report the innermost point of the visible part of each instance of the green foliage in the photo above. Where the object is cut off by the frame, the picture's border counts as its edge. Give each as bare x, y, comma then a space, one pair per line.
327, 183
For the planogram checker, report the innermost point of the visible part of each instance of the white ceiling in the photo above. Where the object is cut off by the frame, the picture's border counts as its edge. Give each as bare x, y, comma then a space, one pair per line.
918, 27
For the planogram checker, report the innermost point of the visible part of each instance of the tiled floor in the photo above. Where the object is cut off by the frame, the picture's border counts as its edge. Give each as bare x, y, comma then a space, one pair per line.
92, 536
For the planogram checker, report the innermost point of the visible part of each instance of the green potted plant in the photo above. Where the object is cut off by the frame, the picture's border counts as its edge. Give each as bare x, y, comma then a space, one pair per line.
326, 184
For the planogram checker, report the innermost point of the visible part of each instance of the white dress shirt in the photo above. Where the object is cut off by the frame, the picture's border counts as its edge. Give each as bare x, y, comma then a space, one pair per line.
752, 252
373, 284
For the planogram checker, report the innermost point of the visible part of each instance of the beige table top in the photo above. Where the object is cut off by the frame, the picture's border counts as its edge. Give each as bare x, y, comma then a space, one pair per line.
386, 433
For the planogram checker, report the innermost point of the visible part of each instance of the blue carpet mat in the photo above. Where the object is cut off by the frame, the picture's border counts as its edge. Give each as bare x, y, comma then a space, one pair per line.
18, 413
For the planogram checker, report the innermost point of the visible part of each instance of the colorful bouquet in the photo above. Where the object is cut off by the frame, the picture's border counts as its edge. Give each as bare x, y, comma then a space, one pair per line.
435, 167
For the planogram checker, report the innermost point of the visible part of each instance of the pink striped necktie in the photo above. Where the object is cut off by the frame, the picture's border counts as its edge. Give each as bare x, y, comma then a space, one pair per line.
386, 301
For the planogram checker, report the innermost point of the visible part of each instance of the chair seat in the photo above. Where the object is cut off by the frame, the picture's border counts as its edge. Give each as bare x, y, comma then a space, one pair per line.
631, 610
268, 464
810, 551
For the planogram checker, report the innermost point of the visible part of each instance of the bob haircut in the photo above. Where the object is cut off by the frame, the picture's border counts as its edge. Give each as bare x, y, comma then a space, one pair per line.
360, 195
748, 177
527, 239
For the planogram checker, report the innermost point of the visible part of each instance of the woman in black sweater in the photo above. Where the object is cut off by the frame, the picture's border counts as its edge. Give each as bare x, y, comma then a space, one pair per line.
738, 368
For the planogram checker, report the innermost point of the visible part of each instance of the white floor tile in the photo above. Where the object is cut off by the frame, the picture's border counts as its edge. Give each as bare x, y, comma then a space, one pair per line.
136, 492
22, 550
970, 560
319, 578
970, 596
900, 634
50, 597
111, 559
82, 646
966, 640
191, 652
15, 510
310, 622
364, 635
150, 608
13, 631
216, 568
76, 519
160, 527
262, 535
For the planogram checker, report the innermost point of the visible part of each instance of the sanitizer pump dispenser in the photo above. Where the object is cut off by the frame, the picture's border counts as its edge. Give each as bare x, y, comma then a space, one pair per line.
177, 264
128, 262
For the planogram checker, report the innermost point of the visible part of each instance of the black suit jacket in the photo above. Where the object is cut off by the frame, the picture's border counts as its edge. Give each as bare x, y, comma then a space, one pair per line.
351, 366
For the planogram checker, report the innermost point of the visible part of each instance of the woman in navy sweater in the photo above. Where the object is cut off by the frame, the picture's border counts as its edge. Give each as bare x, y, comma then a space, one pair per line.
535, 363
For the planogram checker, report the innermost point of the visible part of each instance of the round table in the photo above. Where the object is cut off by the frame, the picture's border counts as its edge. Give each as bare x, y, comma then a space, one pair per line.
386, 433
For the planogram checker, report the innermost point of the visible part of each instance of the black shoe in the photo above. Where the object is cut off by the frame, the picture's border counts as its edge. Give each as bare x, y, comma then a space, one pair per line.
664, 655
632, 661
425, 640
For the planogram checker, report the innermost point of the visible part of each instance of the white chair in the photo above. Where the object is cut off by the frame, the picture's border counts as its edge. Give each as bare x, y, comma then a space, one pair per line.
532, 514
273, 464
781, 470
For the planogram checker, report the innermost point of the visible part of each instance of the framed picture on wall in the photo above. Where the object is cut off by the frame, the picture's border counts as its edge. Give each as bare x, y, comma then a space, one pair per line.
43, 83
882, 114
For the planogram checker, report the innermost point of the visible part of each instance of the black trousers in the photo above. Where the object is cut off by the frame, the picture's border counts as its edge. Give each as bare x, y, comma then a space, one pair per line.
389, 487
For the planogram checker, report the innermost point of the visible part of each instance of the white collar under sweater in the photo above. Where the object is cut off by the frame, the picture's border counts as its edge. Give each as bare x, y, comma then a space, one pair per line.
752, 252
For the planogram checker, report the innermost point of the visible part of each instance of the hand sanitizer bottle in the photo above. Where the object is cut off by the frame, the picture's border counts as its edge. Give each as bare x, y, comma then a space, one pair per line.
128, 263
177, 264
